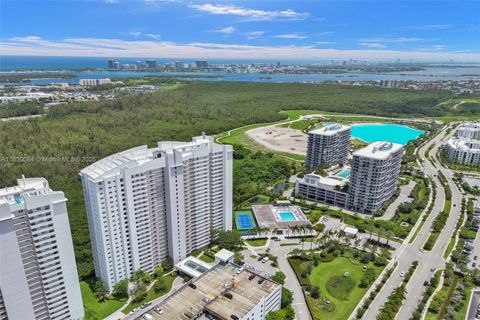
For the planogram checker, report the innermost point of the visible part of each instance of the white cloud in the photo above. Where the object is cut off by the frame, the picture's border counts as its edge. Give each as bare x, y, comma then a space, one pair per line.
110, 1
254, 34
255, 14
226, 30
391, 40
34, 45
324, 42
153, 36
437, 47
134, 33
372, 45
431, 27
325, 33
291, 36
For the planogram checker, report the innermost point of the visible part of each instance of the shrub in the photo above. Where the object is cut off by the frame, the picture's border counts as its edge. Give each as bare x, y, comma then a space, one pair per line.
279, 277
315, 292
120, 290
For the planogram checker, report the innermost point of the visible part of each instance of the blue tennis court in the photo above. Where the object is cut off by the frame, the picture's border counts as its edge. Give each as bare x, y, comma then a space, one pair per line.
244, 220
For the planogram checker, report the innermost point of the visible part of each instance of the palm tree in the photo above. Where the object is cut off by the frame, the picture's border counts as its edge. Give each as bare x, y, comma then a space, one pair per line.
302, 241
357, 242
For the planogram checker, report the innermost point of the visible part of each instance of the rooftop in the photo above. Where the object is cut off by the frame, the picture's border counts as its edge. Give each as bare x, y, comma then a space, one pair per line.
379, 150
224, 255
320, 181
136, 156
472, 146
269, 216
25, 187
192, 266
330, 130
209, 295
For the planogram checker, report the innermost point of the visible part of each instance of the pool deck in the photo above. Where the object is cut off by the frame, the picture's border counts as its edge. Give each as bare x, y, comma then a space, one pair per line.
266, 218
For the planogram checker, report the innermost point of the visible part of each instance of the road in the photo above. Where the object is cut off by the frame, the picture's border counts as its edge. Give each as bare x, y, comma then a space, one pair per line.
291, 282
407, 253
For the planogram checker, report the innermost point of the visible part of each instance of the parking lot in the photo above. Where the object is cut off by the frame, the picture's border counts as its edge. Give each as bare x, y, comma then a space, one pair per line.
257, 266
474, 308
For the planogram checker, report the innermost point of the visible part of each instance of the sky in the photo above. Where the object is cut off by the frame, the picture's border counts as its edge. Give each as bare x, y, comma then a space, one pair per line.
371, 30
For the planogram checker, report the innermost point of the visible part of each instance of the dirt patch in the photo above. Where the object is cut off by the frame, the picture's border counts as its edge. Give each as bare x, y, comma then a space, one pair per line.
280, 139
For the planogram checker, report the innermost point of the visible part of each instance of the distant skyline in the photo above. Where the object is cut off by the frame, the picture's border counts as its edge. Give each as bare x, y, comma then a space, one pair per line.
284, 30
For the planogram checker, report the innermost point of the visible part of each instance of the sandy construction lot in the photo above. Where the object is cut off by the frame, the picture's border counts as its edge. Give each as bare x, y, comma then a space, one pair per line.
280, 139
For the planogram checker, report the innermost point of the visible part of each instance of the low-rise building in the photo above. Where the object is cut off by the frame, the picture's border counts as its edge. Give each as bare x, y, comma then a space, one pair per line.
327, 190
225, 292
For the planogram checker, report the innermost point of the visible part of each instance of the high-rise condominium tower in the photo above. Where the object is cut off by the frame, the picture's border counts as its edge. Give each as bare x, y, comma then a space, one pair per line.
374, 174
328, 145
38, 275
144, 205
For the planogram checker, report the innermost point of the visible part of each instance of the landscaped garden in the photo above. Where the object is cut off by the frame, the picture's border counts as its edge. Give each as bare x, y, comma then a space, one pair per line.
257, 242
153, 293
95, 308
333, 284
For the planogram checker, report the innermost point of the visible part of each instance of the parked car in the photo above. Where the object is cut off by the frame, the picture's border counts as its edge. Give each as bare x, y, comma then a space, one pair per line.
158, 310
475, 258
402, 274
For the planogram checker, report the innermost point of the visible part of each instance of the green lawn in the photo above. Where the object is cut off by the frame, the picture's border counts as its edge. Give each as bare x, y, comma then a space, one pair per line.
151, 295
95, 309
343, 292
257, 242
207, 258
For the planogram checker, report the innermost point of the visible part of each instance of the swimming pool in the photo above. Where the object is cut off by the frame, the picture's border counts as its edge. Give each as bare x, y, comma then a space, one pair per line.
385, 132
244, 220
344, 174
286, 216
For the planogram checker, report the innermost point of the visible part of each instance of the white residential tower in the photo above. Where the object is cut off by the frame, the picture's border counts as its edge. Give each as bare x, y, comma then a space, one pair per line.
144, 205
38, 274
328, 145
373, 177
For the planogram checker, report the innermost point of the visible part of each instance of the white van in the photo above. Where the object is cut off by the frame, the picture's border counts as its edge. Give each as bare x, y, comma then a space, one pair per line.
146, 316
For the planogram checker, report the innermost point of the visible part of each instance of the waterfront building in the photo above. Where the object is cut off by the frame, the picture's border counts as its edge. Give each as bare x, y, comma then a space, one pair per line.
224, 292
94, 82
111, 64
38, 278
151, 64
373, 177
147, 204
327, 190
328, 145
201, 64
465, 148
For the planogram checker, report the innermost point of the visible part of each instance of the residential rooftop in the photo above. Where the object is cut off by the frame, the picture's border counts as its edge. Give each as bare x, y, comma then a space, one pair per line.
320, 181
472, 146
209, 294
25, 187
379, 150
330, 130
139, 155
